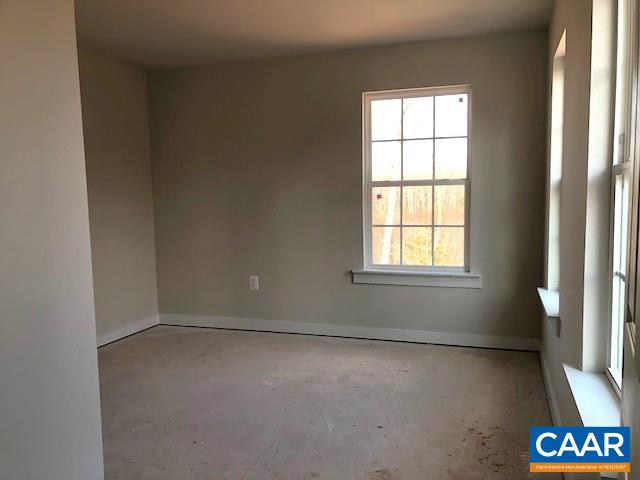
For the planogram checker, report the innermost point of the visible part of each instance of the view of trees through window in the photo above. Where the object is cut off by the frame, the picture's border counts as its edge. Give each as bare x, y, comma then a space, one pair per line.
418, 179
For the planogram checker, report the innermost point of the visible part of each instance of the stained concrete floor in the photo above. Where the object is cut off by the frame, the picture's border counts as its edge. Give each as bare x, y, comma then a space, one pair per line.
202, 404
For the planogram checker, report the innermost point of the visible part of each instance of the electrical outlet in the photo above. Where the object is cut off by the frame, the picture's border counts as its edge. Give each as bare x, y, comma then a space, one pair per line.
254, 282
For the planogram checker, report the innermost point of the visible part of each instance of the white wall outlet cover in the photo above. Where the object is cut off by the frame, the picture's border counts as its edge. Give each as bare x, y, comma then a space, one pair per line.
254, 282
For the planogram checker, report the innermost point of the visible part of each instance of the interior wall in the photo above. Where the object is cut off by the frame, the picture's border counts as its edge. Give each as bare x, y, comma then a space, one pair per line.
116, 139
49, 405
257, 169
575, 17
597, 284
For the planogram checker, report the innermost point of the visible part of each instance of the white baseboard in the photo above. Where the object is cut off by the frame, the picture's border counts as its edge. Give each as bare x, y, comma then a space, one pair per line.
352, 331
128, 330
551, 394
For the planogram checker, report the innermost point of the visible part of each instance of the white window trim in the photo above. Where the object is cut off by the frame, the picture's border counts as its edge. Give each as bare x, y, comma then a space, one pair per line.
550, 300
625, 98
380, 276
598, 404
408, 274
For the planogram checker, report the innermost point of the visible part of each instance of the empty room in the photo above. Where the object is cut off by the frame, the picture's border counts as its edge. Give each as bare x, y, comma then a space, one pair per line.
332, 240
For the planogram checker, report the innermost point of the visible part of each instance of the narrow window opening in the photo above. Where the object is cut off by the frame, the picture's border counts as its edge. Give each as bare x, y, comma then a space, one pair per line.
555, 167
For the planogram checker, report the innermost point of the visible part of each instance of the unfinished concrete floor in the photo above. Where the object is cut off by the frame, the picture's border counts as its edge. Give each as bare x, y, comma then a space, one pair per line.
188, 403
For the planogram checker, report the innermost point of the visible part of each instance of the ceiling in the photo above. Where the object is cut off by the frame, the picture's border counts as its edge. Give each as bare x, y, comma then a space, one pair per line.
169, 33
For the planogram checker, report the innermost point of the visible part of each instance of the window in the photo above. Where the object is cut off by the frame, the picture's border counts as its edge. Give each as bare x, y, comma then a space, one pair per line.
416, 179
620, 190
618, 270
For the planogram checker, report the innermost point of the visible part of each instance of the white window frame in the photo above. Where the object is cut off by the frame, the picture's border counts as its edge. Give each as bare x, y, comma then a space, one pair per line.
622, 166
615, 376
368, 183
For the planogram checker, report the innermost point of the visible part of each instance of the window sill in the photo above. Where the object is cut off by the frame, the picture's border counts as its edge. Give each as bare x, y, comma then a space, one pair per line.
550, 302
598, 404
417, 278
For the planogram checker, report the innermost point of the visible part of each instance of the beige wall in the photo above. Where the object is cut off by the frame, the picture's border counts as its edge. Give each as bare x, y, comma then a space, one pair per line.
257, 170
116, 139
49, 405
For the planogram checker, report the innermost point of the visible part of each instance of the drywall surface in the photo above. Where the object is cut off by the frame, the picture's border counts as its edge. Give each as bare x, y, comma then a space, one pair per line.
575, 17
116, 139
257, 169
564, 344
49, 405
597, 284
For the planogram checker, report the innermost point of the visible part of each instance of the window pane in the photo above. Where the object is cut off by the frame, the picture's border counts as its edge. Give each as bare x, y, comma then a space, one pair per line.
617, 330
449, 246
416, 246
416, 205
385, 161
385, 119
418, 117
451, 158
451, 115
418, 160
385, 205
385, 245
620, 214
448, 205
